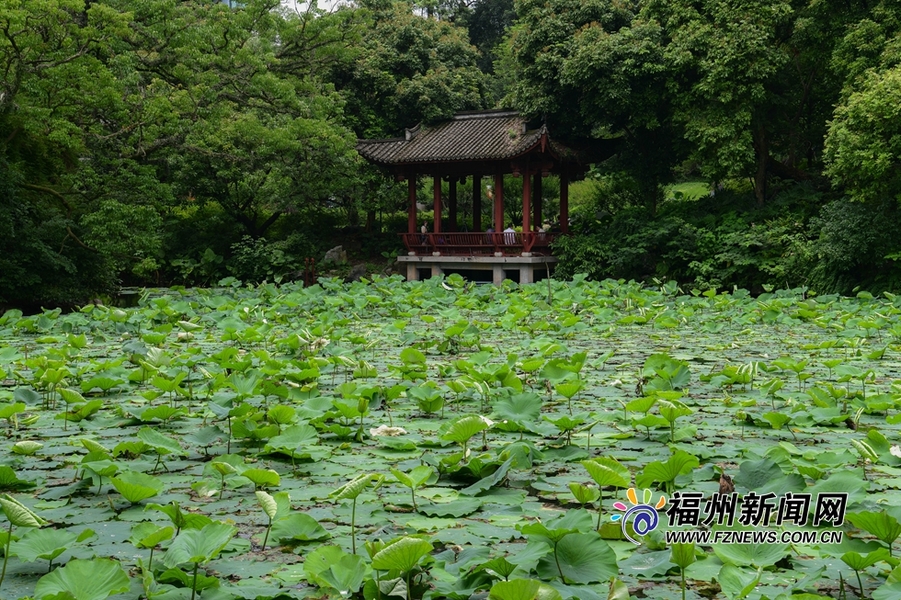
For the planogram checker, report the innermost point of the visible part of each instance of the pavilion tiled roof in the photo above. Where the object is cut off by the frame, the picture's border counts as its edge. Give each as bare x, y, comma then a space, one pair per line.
481, 136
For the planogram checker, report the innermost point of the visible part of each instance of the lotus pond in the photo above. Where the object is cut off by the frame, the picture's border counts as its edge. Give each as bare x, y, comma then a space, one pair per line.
437, 439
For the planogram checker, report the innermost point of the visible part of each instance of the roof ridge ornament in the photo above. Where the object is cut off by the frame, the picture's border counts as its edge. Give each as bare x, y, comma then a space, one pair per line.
410, 133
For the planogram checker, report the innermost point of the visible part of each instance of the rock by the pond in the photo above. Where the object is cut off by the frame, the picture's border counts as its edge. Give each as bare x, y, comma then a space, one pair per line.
357, 273
336, 255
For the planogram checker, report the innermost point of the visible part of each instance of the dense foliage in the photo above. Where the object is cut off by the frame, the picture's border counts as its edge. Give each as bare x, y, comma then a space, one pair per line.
796, 98
184, 141
144, 140
800, 238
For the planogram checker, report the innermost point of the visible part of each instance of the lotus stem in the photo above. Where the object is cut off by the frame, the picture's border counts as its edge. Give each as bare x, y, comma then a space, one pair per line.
600, 506
9, 539
353, 532
556, 560
194, 584
266, 537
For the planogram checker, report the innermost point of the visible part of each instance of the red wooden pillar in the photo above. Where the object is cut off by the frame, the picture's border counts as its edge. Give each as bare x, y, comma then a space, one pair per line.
526, 203
411, 197
537, 202
477, 203
564, 202
437, 203
499, 202
452, 205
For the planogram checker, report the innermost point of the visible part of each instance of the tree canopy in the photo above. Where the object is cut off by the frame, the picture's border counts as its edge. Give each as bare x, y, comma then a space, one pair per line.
740, 90
408, 70
157, 141
117, 116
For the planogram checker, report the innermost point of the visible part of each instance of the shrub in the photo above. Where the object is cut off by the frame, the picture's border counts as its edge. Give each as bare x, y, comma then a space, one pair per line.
856, 245
40, 261
128, 235
255, 260
720, 241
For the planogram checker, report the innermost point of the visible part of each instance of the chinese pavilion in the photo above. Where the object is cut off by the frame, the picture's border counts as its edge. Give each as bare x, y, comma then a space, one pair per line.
485, 144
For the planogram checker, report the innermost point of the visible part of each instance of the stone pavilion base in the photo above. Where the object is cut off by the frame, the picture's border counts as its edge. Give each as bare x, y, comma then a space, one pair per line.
525, 269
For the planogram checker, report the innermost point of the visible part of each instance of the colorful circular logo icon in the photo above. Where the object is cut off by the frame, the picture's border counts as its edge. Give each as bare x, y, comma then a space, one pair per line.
642, 514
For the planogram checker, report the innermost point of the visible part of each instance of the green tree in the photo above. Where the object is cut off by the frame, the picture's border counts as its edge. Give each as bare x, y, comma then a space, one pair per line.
119, 118
597, 70
754, 92
864, 143
409, 69
51, 79
246, 123
743, 91
487, 23
862, 147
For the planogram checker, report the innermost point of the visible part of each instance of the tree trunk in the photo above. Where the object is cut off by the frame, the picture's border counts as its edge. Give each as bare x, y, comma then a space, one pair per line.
762, 151
353, 214
269, 223
651, 193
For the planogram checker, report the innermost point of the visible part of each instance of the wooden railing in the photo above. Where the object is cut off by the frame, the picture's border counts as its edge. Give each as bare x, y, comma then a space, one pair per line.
479, 243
